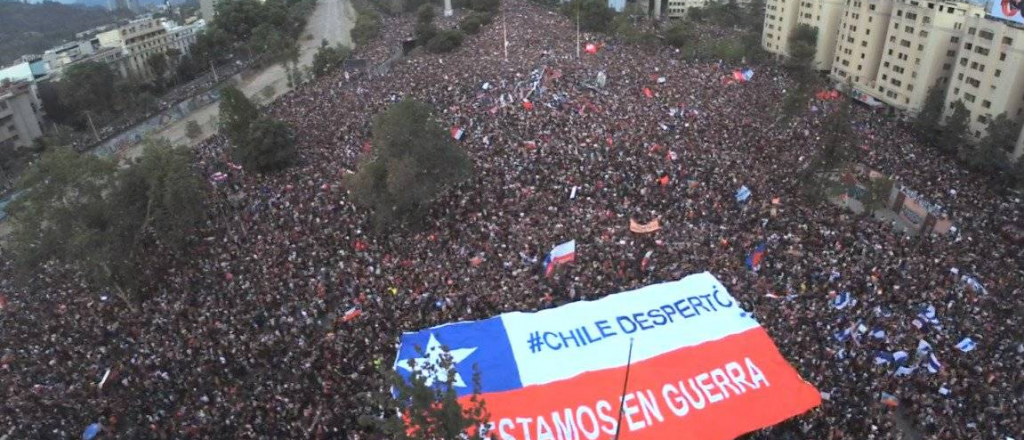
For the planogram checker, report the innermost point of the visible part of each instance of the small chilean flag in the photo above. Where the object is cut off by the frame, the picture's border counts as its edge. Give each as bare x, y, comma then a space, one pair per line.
457, 133
351, 314
754, 259
646, 260
561, 254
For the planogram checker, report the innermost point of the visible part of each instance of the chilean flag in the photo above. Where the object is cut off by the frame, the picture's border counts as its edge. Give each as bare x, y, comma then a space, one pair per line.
561, 254
700, 365
457, 133
755, 257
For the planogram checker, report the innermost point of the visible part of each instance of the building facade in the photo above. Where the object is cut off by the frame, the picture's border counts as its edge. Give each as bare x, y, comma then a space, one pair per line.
861, 43
19, 115
783, 16
138, 40
678, 8
920, 50
181, 38
988, 75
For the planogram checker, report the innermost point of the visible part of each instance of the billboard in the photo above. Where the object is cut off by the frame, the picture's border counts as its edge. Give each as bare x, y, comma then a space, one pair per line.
700, 365
1007, 10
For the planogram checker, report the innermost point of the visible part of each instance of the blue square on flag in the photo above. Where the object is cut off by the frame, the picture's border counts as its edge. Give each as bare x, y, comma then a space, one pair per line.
482, 343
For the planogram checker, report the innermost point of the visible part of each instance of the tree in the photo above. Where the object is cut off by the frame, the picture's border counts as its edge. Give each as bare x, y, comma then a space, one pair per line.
367, 26
955, 130
485, 6
85, 213
239, 18
158, 64
926, 124
236, 113
425, 14
270, 146
803, 42
473, 22
192, 130
430, 407
88, 86
877, 195
327, 58
990, 156
424, 32
415, 161
594, 15
274, 45
680, 34
836, 151
445, 41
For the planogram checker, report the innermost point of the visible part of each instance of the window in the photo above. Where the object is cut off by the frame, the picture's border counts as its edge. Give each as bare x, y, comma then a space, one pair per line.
904, 43
986, 104
981, 118
968, 46
986, 35
951, 53
981, 50
969, 97
971, 31
1007, 40
972, 82
1002, 57
998, 72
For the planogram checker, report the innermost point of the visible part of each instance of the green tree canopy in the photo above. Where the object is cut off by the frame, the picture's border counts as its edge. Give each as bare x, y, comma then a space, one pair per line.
445, 41
680, 34
85, 212
327, 58
367, 26
415, 160
803, 42
991, 154
954, 132
594, 15
430, 408
236, 113
927, 122
88, 86
269, 146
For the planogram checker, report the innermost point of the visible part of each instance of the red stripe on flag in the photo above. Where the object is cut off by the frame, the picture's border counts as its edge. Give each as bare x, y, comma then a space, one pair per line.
735, 385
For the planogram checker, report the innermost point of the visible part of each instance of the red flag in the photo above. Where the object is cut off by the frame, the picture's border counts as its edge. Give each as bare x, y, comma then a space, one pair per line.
648, 93
351, 314
527, 105
590, 48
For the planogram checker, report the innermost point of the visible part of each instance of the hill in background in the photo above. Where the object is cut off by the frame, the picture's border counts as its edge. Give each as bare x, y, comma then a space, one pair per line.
33, 28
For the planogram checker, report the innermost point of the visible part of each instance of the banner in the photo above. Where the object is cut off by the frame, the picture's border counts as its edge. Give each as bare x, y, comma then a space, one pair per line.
1007, 10
645, 228
701, 365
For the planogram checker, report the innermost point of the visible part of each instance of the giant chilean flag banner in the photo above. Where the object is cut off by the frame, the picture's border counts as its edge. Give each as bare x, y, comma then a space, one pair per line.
702, 368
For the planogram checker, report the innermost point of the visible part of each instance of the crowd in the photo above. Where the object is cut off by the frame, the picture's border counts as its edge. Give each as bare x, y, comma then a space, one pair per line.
243, 337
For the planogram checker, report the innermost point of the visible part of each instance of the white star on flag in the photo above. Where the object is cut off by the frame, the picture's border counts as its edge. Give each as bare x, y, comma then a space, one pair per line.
433, 353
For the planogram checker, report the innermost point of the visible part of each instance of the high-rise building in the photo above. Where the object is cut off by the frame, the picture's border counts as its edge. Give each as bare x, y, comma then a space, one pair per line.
861, 41
19, 114
920, 49
988, 74
779, 21
783, 16
678, 8
138, 40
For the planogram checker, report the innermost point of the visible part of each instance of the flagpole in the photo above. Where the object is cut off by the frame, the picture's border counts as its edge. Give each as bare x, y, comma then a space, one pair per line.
504, 31
625, 383
577, 29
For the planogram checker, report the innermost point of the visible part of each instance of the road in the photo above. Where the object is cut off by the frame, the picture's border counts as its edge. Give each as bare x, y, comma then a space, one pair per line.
332, 20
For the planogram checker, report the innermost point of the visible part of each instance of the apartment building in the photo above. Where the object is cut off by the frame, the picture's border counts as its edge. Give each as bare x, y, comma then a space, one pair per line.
823, 15
988, 75
782, 16
182, 37
19, 114
678, 8
138, 40
921, 48
862, 37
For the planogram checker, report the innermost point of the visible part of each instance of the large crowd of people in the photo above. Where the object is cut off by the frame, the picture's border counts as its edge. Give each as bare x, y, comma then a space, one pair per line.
243, 336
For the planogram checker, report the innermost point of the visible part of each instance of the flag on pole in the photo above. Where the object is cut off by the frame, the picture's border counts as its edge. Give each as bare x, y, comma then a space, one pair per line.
904, 371
923, 347
755, 257
877, 333
648, 93
561, 254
